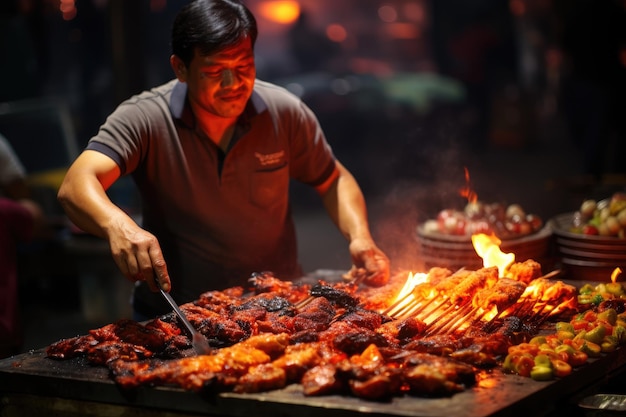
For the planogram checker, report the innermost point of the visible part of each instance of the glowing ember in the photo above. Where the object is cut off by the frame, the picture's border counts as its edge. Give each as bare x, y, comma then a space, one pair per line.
488, 248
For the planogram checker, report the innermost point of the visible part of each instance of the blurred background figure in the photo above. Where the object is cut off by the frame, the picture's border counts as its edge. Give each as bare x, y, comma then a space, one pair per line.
21, 219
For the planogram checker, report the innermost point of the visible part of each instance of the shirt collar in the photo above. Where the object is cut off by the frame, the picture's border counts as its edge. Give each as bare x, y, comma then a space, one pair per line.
180, 109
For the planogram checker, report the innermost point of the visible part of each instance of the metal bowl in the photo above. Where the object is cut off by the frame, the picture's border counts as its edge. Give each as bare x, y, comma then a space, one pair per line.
454, 252
586, 257
604, 405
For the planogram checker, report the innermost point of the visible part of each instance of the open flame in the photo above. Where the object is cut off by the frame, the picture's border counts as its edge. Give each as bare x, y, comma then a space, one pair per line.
615, 274
412, 281
488, 248
467, 191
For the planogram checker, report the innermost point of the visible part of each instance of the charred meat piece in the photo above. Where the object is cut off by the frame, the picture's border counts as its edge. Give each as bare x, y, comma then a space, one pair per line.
269, 303
108, 351
365, 375
384, 384
369, 377
474, 282
220, 330
428, 380
305, 336
220, 301
362, 275
71, 348
558, 291
447, 285
276, 323
361, 317
475, 356
402, 331
266, 282
195, 373
336, 296
437, 375
191, 373
130, 331
263, 377
316, 315
483, 352
502, 295
441, 345
125, 339
297, 359
617, 304
322, 380
354, 341
429, 288
272, 344
524, 271
512, 327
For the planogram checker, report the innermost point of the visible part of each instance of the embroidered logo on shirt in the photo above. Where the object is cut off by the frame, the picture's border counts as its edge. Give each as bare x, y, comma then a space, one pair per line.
270, 158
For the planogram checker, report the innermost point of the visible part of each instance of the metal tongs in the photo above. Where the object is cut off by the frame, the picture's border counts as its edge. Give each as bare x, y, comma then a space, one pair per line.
198, 341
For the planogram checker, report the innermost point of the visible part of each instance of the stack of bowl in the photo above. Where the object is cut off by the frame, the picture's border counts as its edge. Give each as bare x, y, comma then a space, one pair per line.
586, 257
455, 252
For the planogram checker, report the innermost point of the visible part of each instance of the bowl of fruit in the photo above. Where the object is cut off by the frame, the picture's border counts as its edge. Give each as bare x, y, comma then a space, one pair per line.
591, 241
446, 240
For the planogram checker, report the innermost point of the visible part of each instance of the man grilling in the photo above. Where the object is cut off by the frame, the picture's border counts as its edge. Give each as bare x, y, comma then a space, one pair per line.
212, 153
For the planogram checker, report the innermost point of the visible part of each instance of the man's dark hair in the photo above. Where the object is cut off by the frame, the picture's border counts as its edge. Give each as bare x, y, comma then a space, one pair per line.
211, 26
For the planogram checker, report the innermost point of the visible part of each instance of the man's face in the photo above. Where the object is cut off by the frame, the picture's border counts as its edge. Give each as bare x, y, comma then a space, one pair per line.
222, 83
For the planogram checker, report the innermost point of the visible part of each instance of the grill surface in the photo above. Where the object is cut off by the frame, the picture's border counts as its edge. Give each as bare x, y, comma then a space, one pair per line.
34, 376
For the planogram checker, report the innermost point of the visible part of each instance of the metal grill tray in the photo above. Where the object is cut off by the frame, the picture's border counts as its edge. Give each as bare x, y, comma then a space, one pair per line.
496, 394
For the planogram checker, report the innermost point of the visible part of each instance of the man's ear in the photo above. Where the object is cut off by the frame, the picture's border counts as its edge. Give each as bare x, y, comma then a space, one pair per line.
180, 70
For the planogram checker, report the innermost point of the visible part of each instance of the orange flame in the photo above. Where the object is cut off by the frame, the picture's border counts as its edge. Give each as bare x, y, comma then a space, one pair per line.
615, 274
412, 281
467, 191
488, 248
490, 314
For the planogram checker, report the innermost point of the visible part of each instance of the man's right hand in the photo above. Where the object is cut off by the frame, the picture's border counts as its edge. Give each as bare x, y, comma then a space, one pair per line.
138, 255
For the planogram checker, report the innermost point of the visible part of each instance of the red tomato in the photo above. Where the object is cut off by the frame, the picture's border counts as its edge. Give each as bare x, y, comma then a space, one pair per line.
590, 315
606, 325
523, 364
578, 358
561, 368
590, 229
580, 325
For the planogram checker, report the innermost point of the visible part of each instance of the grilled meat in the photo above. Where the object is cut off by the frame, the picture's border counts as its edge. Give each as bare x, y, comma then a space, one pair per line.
502, 295
193, 373
524, 271
322, 380
337, 296
335, 342
402, 331
267, 283
447, 285
361, 317
475, 281
441, 345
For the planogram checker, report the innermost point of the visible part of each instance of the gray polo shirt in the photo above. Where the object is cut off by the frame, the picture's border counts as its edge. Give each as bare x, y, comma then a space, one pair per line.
218, 217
